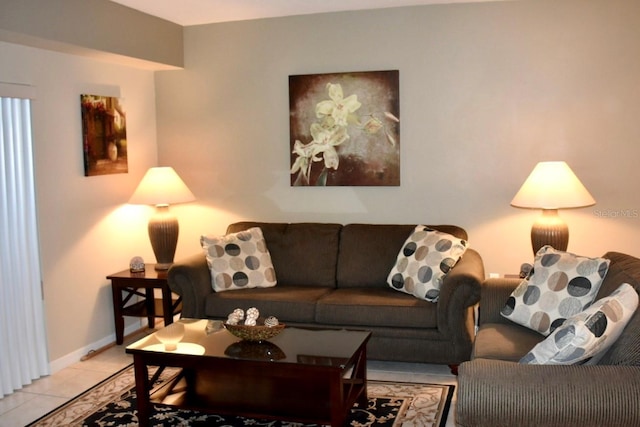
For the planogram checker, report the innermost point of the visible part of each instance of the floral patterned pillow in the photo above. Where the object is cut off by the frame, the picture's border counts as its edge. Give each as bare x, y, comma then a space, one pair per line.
424, 261
239, 260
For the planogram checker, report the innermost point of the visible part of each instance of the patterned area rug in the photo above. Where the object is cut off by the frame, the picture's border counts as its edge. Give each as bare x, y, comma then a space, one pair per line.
113, 403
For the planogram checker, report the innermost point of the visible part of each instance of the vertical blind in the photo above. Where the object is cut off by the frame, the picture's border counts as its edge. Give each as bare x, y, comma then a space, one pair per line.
23, 347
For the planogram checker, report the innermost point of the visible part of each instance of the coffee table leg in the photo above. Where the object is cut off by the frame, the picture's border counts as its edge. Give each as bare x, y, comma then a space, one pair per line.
338, 410
356, 390
360, 373
142, 390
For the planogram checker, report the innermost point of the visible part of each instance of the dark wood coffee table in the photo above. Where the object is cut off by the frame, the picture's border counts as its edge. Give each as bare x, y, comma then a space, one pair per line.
302, 375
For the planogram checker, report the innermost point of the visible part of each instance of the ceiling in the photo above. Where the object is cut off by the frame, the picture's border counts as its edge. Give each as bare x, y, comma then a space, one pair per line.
195, 12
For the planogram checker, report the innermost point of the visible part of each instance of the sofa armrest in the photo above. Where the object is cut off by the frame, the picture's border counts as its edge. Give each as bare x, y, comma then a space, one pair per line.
494, 295
459, 292
191, 279
496, 393
464, 280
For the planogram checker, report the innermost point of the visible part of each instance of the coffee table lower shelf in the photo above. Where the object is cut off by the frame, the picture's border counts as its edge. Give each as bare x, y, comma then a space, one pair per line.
289, 398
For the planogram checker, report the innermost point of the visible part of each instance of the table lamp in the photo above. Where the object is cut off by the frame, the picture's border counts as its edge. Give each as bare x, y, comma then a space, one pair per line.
161, 186
551, 186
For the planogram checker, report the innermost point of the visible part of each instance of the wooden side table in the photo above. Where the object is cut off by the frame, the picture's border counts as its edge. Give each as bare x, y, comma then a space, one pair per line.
128, 283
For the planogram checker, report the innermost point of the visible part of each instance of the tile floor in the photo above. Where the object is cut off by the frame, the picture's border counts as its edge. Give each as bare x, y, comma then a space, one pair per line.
35, 400
40, 397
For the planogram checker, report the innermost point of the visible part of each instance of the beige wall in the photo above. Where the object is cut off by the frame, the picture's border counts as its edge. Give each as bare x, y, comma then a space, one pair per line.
86, 230
486, 91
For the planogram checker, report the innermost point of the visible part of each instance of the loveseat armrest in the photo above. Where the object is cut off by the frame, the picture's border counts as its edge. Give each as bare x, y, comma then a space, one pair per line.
464, 280
494, 295
496, 393
459, 292
191, 279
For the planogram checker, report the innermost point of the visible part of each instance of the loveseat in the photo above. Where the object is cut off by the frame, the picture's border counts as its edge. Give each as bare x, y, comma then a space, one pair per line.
335, 276
495, 390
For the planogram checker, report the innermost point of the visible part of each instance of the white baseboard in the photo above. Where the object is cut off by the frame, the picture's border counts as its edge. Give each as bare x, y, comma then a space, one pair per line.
75, 356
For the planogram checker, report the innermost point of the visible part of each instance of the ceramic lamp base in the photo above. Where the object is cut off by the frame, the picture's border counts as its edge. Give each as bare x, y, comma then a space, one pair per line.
163, 234
549, 229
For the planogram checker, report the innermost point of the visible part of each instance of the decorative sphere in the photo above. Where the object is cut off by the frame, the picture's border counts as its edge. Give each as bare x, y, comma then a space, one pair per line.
271, 321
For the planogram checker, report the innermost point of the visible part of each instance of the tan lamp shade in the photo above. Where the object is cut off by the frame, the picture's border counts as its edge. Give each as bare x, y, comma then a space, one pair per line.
551, 186
161, 186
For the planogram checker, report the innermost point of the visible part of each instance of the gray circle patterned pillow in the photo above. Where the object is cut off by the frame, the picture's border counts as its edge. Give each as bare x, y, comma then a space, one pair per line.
560, 285
424, 261
587, 336
239, 260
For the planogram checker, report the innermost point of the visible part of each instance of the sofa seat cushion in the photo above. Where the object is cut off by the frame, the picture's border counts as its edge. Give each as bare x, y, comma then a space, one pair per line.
375, 307
287, 303
501, 341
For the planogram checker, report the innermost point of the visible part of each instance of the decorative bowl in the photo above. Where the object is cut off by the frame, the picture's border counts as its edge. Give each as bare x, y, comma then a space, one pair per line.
171, 335
254, 333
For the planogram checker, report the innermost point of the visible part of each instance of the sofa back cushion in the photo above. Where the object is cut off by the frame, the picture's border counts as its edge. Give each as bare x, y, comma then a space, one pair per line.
303, 254
368, 252
623, 269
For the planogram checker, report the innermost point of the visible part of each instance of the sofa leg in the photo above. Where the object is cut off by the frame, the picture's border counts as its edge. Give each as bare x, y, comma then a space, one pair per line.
454, 369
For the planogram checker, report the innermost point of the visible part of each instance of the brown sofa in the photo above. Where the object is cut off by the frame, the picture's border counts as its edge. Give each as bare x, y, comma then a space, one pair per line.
495, 390
333, 275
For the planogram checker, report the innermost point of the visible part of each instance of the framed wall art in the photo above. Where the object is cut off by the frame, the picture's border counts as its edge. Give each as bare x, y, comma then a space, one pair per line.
104, 135
345, 129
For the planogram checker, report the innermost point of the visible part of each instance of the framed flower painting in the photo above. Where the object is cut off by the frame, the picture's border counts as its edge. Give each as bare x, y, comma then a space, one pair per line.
345, 129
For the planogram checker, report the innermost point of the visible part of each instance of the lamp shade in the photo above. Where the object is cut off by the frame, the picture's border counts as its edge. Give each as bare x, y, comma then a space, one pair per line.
161, 186
552, 185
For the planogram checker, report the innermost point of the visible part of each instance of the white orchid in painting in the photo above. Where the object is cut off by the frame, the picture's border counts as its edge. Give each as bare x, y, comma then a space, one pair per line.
335, 114
338, 108
320, 148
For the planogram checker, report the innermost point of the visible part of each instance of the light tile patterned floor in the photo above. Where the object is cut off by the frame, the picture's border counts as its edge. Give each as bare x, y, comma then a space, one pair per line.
45, 394
35, 400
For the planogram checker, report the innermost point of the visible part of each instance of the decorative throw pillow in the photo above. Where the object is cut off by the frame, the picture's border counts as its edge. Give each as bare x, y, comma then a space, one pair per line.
560, 286
586, 337
423, 262
239, 260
